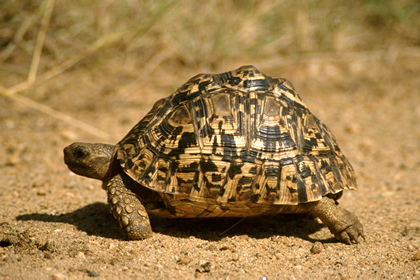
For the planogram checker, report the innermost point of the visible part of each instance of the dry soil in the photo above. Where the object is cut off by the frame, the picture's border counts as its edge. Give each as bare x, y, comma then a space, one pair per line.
56, 225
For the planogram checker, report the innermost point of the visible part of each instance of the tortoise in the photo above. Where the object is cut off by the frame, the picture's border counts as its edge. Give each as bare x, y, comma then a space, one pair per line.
235, 144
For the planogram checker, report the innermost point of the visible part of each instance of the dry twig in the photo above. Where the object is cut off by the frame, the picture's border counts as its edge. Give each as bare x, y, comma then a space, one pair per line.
56, 114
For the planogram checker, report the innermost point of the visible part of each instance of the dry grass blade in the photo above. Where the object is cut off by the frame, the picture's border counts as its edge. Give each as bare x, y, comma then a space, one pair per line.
40, 41
7, 51
232, 226
56, 114
33, 80
102, 42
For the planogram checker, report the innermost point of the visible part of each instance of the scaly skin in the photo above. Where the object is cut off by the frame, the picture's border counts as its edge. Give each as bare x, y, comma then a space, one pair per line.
128, 210
344, 225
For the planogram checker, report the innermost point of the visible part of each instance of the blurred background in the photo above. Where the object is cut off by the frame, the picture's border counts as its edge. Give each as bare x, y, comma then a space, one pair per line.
98, 66
202, 36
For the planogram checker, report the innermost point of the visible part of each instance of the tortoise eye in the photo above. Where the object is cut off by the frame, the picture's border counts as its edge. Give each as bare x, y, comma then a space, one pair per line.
80, 153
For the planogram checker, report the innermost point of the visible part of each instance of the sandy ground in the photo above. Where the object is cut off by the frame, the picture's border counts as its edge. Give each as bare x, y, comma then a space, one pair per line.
56, 225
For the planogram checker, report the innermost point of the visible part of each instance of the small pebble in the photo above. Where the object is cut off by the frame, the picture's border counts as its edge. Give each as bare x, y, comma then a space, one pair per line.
212, 247
41, 193
204, 267
184, 260
92, 273
317, 248
58, 276
416, 256
48, 255
80, 255
224, 248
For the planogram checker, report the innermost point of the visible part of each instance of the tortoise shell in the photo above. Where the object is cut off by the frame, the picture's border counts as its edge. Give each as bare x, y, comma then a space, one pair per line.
235, 138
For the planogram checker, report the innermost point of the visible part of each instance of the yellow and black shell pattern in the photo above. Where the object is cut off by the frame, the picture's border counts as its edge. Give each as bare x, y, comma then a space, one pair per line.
232, 138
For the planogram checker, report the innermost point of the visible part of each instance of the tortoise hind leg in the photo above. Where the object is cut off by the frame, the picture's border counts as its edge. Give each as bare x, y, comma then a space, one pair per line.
344, 225
128, 210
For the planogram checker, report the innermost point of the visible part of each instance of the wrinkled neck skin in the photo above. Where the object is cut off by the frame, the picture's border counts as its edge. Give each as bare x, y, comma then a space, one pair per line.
92, 160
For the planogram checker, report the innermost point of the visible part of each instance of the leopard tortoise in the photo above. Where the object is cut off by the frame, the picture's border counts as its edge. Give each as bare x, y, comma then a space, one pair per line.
235, 144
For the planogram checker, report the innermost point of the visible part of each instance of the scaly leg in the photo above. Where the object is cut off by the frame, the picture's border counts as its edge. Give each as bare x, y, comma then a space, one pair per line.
343, 224
128, 210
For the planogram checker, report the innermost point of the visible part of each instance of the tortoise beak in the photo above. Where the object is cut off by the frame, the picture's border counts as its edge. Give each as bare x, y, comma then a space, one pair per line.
68, 155
74, 153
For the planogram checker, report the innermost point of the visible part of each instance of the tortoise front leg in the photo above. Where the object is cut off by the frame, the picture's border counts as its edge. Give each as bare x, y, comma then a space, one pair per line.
128, 210
343, 224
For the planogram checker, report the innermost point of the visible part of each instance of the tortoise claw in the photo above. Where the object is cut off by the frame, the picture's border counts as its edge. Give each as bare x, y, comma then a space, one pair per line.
351, 235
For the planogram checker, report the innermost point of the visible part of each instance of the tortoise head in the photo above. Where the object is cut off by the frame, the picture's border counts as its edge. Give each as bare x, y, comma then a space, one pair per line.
91, 160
